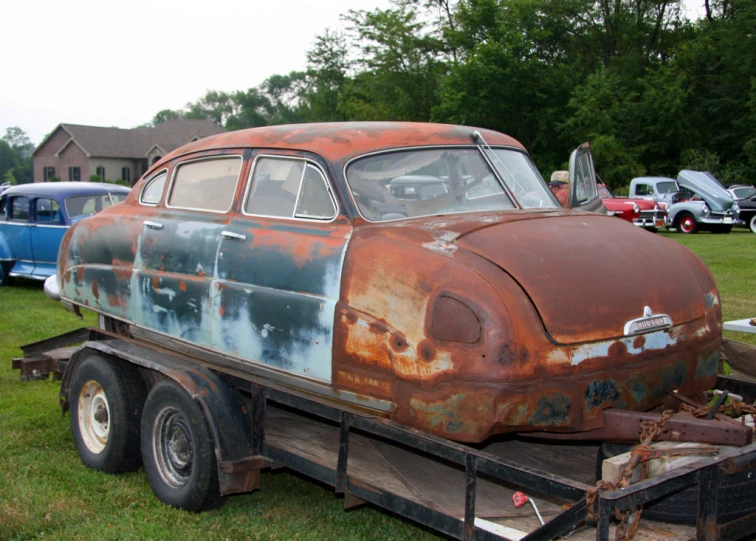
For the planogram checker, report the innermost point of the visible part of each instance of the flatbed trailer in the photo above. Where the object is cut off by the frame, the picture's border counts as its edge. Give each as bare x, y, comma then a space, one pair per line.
461, 491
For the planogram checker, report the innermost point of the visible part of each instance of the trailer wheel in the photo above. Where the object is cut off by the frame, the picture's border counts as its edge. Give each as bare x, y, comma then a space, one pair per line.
736, 495
178, 450
106, 406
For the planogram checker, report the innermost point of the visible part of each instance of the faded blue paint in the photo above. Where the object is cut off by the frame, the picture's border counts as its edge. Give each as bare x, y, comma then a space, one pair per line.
282, 294
551, 410
707, 364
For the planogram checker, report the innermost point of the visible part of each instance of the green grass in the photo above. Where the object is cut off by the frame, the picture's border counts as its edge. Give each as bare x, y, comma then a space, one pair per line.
46, 493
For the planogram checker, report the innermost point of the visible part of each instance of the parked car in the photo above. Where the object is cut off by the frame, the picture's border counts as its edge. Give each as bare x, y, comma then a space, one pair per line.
641, 212
281, 252
659, 189
710, 208
745, 197
34, 218
716, 211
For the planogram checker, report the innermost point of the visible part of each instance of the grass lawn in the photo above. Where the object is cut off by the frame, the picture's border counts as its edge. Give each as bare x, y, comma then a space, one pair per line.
45, 491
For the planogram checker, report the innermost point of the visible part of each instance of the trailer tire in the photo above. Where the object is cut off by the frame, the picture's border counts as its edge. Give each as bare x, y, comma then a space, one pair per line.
106, 397
736, 495
178, 450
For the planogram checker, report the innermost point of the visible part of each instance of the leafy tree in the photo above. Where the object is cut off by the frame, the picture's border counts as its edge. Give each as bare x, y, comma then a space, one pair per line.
167, 114
327, 72
401, 63
19, 142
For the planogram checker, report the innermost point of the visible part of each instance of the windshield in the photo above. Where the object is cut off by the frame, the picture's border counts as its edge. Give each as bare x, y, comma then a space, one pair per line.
667, 187
744, 193
430, 182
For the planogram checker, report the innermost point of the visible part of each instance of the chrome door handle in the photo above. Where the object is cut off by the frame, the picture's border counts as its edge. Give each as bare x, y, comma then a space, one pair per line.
234, 236
153, 225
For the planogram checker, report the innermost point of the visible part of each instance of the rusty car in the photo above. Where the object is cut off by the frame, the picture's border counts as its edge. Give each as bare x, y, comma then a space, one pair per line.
471, 311
266, 296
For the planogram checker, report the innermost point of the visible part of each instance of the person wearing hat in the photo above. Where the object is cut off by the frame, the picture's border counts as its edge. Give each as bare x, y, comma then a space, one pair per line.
560, 187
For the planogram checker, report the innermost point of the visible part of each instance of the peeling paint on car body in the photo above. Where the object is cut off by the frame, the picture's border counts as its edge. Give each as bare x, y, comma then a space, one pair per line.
467, 324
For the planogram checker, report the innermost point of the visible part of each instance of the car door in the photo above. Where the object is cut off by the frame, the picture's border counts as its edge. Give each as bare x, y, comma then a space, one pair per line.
584, 193
47, 232
279, 269
19, 234
178, 249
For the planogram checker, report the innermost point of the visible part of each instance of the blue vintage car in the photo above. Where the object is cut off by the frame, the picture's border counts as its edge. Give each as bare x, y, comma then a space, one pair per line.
34, 218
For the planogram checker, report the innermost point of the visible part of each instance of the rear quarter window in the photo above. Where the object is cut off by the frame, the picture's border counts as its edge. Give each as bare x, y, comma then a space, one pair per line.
207, 184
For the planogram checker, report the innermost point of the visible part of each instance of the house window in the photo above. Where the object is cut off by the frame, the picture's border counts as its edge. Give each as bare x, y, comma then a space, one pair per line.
126, 174
74, 174
156, 159
101, 173
48, 173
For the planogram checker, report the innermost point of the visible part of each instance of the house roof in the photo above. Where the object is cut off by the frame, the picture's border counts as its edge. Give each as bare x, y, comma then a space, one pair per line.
135, 143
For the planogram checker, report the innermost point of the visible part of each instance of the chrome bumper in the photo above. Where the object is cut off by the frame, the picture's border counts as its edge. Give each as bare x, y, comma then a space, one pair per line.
52, 290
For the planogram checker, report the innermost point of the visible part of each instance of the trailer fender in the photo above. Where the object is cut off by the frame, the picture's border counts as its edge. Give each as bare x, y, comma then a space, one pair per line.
226, 413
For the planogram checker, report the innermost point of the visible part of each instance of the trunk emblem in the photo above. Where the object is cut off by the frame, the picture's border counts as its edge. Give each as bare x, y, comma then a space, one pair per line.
649, 322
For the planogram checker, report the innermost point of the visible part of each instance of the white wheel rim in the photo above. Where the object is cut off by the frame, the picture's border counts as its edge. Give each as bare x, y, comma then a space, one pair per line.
94, 416
172, 446
753, 224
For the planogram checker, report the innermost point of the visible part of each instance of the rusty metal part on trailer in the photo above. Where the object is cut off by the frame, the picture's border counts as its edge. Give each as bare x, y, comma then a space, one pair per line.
421, 272
464, 492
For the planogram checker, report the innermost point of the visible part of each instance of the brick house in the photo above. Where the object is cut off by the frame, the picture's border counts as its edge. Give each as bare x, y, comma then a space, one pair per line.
74, 153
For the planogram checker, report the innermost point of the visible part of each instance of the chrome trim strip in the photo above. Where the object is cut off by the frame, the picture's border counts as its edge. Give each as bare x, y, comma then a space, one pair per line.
28, 276
53, 226
248, 189
204, 159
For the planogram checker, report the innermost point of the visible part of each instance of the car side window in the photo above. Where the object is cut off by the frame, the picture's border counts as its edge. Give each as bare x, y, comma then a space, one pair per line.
641, 189
47, 211
19, 209
207, 184
3, 206
289, 188
153, 190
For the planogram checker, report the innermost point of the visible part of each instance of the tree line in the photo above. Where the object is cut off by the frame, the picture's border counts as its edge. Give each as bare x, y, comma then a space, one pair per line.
15, 157
652, 91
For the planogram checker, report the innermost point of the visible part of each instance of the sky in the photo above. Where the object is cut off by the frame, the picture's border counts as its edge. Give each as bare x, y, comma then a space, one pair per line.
107, 63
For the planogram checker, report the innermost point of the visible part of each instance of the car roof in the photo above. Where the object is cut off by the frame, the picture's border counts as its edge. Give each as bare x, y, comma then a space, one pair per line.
654, 178
341, 141
64, 189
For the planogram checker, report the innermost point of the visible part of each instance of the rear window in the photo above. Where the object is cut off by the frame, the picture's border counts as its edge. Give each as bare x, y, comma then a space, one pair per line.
86, 205
205, 184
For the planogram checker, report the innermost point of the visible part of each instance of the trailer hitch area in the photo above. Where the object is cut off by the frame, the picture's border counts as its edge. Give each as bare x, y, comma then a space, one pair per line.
627, 426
